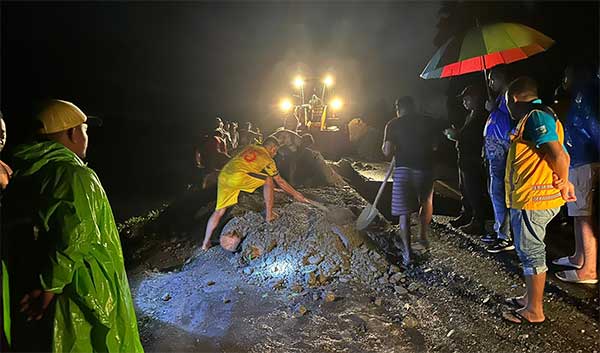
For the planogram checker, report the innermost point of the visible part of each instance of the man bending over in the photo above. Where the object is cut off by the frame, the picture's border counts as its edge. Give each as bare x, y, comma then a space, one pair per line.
250, 169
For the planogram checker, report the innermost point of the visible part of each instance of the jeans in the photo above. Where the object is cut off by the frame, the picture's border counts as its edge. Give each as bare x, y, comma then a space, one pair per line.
496, 189
471, 177
529, 230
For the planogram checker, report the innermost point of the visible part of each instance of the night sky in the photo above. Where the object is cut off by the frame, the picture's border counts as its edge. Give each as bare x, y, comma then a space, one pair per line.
159, 72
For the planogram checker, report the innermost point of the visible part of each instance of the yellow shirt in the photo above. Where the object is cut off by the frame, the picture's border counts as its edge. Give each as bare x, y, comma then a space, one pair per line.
254, 160
247, 171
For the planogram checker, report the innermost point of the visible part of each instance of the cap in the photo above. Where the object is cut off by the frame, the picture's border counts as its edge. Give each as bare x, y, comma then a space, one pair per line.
58, 115
470, 90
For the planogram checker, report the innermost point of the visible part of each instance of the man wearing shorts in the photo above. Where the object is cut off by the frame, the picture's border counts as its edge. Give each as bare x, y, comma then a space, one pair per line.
251, 169
411, 139
582, 136
537, 172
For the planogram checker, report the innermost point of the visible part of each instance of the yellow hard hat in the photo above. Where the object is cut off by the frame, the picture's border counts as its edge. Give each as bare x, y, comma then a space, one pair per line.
58, 115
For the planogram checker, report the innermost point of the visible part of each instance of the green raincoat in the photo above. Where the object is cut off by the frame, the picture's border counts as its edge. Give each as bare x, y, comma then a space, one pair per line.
79, 252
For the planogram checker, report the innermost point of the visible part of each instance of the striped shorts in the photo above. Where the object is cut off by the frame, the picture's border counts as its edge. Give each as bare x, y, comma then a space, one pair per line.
410, 188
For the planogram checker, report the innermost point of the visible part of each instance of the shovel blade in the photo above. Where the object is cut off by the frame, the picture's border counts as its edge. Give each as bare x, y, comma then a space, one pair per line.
366, 217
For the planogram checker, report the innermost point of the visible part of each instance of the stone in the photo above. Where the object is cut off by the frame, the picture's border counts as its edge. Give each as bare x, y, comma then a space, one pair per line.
211, 283
394, 269
450, 333
311, 279
297, 288
413, 287
166, 297
248, 271
396, 277
410, 322
226, 301
315, 260
330, 297
323, 279
302, 310
279, 284
378, 301
400, 290
383, 279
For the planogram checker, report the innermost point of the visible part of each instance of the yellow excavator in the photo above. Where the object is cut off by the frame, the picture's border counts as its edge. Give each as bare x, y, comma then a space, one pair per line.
318, 113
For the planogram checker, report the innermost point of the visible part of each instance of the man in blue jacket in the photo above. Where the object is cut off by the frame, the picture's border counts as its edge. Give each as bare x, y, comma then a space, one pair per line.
496, 143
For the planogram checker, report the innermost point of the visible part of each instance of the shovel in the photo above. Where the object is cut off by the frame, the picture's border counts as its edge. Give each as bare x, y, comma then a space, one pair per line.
369, 213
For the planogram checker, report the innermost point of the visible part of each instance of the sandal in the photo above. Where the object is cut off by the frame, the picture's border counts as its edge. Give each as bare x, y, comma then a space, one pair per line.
514, 301
571, 276
564, 261
514, 317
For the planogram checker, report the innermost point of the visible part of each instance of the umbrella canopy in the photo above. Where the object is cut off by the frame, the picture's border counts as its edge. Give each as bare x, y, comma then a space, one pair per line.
484, 47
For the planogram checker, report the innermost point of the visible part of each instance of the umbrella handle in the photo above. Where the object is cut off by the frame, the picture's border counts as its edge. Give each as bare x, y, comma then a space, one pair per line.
487, 84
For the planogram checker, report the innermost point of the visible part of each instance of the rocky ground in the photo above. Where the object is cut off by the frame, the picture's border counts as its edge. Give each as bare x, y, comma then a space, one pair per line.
309, 282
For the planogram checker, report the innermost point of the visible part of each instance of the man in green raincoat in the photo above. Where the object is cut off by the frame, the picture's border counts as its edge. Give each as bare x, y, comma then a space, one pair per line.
66, 277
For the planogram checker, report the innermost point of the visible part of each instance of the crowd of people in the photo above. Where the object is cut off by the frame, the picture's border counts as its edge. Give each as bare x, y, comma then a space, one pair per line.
531, 158
72, 288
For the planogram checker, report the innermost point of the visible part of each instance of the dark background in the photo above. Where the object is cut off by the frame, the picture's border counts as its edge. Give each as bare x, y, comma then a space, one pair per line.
158, 73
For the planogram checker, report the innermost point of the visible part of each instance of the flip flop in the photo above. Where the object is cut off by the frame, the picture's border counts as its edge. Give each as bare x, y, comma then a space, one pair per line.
510, 316
514, 301
571, 276
564, 261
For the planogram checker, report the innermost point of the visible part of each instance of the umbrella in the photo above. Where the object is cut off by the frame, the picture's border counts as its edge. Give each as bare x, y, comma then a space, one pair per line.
484, 47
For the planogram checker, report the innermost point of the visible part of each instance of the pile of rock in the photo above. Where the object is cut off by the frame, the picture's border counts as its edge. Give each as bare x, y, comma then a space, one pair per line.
307, 246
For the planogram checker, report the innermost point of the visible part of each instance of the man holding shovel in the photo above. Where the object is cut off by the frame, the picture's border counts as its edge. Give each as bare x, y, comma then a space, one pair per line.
410, 139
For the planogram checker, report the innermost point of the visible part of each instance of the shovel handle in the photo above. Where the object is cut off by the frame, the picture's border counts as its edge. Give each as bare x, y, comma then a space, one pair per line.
382, 187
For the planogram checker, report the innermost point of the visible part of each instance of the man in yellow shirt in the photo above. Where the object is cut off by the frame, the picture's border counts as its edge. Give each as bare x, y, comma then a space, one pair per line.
250, 169
537, 174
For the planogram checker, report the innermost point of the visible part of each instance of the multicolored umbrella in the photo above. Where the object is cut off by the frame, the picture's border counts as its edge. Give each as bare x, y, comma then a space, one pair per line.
482, 48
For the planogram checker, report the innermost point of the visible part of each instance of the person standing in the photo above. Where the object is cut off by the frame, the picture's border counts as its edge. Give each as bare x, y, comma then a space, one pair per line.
496, 135
68, 287
469, 144
537, 174
582, 136
411, 140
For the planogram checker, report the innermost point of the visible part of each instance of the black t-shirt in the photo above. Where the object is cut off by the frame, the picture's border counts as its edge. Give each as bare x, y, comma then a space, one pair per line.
470, 140
413, 137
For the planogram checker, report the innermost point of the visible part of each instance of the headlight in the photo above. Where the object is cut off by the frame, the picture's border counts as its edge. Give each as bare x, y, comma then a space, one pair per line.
328, 81
298, 82
336, 104
285, 105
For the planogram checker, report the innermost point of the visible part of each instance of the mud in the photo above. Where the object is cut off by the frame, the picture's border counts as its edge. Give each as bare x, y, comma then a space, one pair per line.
311, 283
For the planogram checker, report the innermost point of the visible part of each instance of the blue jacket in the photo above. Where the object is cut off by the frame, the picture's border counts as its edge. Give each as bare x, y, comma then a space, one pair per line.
582, 128
496, 132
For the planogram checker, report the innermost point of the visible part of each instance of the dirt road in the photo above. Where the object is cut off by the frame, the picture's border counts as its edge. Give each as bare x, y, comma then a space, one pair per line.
453, 304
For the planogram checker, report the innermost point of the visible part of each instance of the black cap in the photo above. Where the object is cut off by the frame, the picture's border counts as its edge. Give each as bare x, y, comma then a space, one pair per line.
470, 90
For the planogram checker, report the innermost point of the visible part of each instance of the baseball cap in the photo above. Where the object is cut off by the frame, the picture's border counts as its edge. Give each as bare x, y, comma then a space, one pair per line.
58, 115
470, 90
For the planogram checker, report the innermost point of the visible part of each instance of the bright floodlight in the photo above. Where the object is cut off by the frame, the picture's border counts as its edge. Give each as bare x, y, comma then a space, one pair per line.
336, 104
328, 80
298, 82
285, 105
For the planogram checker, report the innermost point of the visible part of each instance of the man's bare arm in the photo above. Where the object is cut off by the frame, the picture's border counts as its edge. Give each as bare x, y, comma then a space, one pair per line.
386, 146
557, 158
559, 161
289, 189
